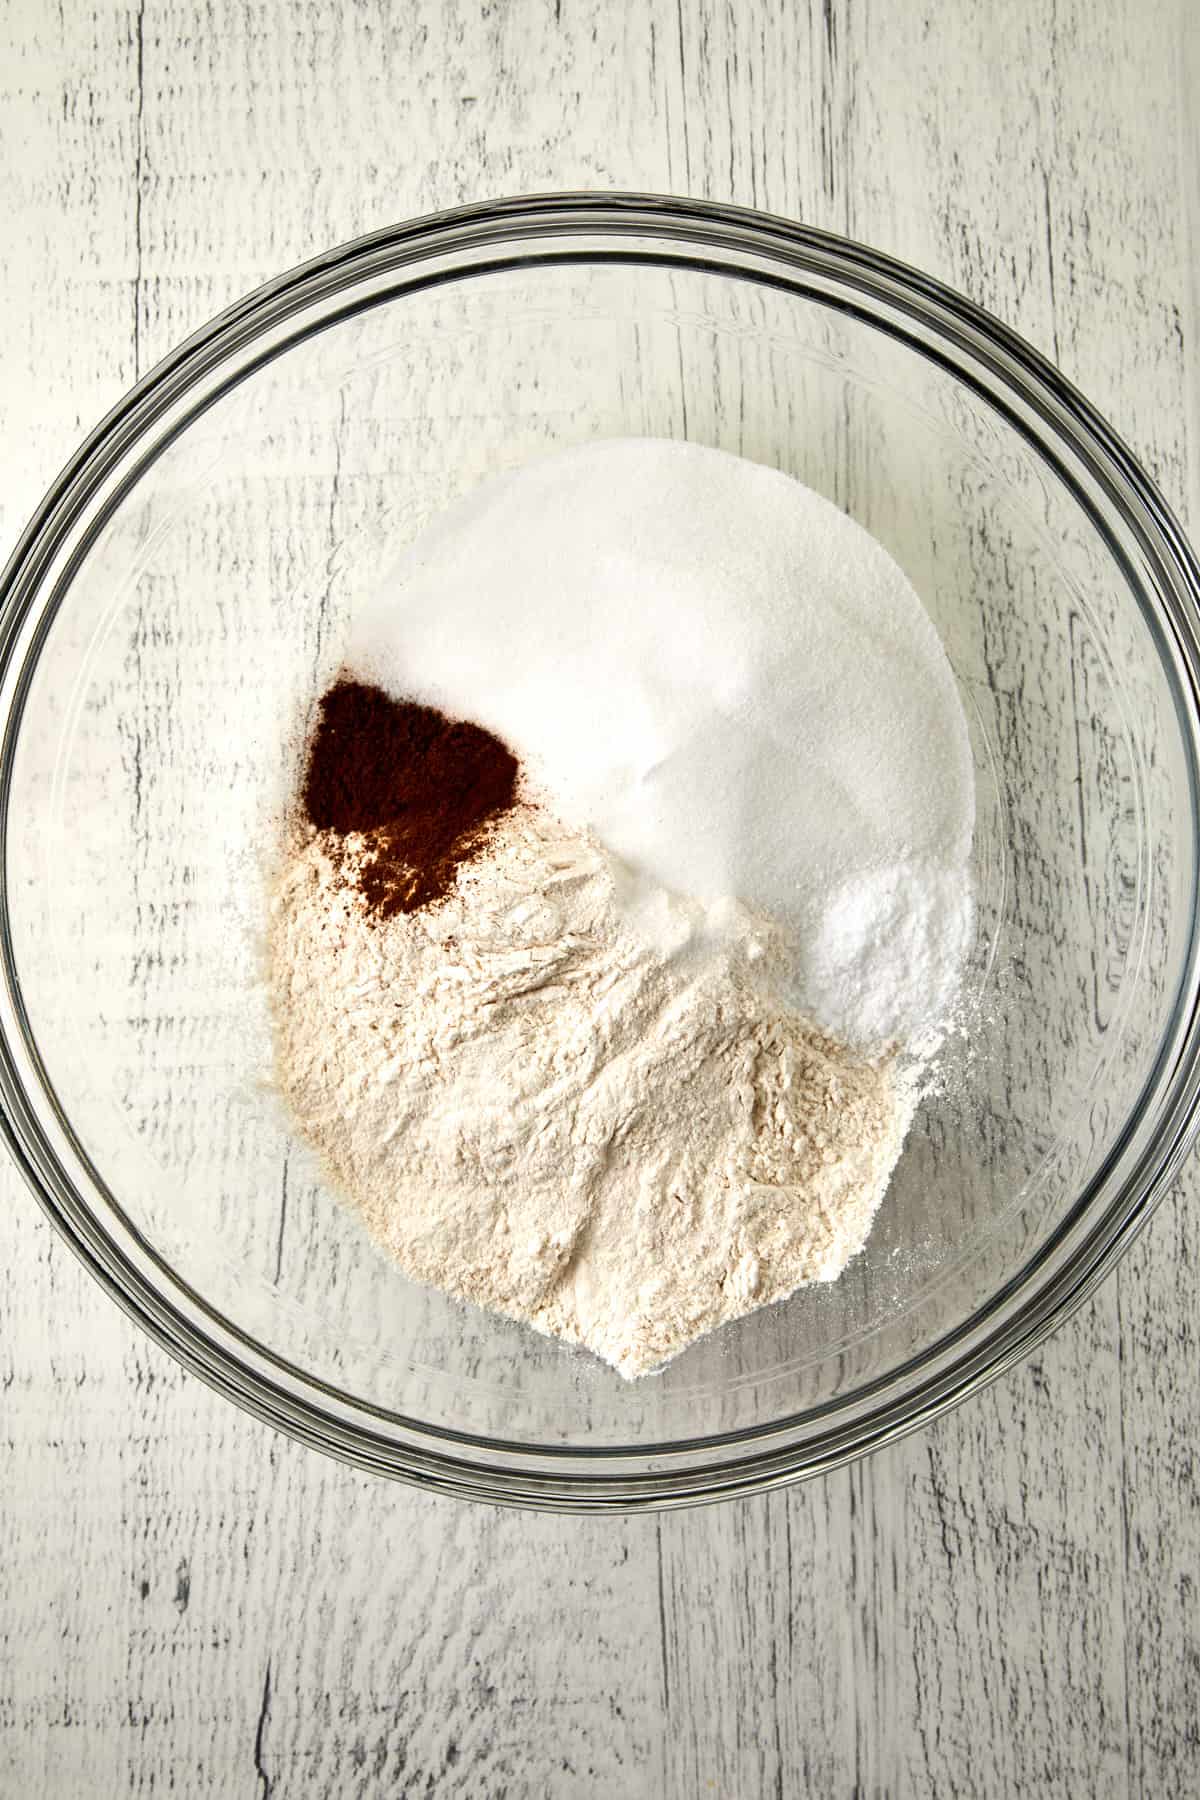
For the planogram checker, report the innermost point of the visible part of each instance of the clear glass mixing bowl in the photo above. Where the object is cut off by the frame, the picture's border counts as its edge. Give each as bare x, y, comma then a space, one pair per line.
185, 587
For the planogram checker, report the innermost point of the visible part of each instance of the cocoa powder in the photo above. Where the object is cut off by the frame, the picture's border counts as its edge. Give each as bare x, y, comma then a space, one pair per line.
421, 788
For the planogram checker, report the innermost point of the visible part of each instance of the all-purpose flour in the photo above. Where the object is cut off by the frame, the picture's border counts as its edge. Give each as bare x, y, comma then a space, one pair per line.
535, 1111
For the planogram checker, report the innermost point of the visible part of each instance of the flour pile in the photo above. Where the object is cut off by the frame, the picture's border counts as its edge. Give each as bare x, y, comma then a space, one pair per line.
537, 1112
646, 1062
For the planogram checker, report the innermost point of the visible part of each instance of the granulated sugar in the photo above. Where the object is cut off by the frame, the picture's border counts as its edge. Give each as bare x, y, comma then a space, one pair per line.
729, 682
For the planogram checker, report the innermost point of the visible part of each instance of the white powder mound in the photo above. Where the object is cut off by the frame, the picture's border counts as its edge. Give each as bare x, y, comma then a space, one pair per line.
536, 1111
731, 684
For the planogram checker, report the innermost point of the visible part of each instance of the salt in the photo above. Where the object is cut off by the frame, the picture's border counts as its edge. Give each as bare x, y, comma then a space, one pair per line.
732, 685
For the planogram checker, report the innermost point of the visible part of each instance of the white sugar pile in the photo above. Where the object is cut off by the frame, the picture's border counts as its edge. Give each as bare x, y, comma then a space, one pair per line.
731, 684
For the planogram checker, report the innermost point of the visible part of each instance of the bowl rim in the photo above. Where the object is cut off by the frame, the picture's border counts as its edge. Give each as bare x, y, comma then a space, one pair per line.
1066, 431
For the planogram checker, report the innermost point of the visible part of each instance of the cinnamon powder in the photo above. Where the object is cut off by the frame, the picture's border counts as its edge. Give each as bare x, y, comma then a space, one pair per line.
421, 788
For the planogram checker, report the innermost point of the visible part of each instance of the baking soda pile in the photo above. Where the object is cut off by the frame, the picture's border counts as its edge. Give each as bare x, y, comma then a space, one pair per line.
641, 1057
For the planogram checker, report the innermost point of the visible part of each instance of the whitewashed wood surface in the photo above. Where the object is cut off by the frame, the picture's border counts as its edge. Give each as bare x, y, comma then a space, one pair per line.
1004, 1605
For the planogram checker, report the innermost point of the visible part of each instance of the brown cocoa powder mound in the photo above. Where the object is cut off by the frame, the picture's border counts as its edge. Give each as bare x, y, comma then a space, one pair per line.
422, 789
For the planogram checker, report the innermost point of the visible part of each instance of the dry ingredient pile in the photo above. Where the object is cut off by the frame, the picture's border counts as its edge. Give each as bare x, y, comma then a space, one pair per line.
624, 896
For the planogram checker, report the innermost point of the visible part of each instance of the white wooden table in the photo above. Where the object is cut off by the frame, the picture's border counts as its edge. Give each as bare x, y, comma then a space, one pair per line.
1005, 1605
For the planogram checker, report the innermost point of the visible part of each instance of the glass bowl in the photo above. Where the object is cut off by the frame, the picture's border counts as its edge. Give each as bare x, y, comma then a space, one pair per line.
185, 587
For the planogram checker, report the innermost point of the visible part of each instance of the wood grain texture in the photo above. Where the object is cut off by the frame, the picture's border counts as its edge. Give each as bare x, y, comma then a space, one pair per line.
1003, 1605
